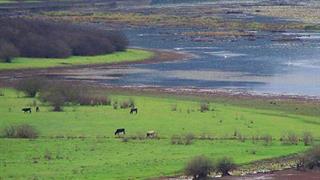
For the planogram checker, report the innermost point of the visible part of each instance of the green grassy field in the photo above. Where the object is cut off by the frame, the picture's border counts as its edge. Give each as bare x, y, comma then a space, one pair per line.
127, 56
81, 144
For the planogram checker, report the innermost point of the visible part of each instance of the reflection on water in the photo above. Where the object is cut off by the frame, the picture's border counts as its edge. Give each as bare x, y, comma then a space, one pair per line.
225, 54
262, 65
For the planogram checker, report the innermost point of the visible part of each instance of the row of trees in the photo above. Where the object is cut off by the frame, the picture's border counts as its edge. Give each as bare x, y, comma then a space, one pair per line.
38, 38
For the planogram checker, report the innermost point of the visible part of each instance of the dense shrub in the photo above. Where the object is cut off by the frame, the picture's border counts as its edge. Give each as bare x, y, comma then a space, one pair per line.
186, 139
60, 93
20, 131
204, 106
224, 166
313, 158
9, 132
30, 86
26, 131
293, 138
310, 159
199, 167
39, 38
56, 99
290, 138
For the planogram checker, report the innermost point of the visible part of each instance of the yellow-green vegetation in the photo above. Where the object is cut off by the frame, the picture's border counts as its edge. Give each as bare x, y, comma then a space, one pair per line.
128, 56
308, 14
163, 19
79, 143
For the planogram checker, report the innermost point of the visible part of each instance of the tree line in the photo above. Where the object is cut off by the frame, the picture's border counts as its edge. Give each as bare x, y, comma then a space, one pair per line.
47, 39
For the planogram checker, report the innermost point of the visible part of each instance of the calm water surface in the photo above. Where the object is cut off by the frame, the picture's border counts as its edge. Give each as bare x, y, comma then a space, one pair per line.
262, 65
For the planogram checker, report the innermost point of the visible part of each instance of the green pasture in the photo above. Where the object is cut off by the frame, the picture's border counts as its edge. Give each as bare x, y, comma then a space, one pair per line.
79, 143
128, 56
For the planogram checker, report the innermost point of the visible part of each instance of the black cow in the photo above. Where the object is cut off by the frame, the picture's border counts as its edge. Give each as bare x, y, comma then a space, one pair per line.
134, 110
25, 110
37, 109
120, 131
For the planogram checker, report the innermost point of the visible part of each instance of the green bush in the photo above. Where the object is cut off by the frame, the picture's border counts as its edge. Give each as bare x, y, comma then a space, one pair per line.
60, 93
31, 86
188, 138
199, 167
224, 166
204, 106
9, 132
20, 131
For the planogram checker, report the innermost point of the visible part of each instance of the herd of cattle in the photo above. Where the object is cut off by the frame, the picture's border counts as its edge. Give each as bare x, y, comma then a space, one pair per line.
149, 134
29, 110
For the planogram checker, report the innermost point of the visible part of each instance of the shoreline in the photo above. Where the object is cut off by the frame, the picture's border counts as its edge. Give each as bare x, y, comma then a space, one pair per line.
159, 56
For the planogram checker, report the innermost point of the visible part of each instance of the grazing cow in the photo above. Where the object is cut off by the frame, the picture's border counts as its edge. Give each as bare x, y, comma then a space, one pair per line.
120, 131
37, 109
25, 110
151, 134
134, 110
